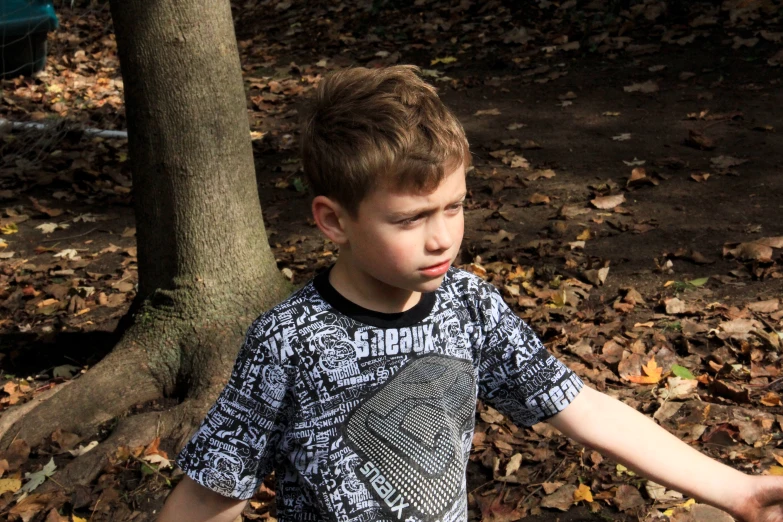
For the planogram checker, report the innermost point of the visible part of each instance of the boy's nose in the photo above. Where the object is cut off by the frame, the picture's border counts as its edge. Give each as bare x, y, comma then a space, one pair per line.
439, 237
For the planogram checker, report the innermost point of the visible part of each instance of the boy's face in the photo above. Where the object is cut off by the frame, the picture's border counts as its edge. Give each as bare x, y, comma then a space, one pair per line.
408, 240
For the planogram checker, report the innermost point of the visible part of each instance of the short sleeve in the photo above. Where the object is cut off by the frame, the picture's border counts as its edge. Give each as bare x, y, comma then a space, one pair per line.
518, 376
234, 448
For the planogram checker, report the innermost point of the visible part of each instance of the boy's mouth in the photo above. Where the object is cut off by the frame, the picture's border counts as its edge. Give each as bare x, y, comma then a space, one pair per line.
437, 269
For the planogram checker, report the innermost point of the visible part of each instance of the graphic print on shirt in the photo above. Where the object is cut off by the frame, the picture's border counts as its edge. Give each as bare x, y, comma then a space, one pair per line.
348, 412
409, 435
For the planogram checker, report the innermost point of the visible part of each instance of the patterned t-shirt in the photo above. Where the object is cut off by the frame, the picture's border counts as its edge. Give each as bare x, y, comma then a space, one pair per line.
370, 416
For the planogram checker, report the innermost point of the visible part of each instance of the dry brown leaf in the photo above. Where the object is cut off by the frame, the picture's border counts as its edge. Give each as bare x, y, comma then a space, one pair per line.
538, 174
492, 416
608, 202
698, 140
771, 399
737, 328
499, 236
16, 454
487, 112
561, 499
646, 87
751, 251
679, 388
628, 498
774, 242
518, 162
726, 162
539, 199
764, 307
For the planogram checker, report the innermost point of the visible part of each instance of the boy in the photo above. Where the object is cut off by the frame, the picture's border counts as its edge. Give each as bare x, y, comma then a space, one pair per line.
359, 390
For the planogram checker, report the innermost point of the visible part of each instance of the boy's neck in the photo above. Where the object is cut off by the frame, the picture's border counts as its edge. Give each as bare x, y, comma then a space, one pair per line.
368, 292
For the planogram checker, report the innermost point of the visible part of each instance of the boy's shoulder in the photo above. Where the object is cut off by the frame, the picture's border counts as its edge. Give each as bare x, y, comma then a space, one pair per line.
279, 326
468, 286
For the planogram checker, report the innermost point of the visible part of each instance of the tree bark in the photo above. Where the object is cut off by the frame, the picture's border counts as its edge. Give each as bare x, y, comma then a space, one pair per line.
205, 266
200, 233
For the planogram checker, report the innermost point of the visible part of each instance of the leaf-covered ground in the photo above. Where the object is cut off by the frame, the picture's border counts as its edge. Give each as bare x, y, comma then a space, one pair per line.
625, 197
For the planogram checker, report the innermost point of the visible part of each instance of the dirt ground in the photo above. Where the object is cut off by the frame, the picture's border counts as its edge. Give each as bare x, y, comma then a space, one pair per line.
706, 137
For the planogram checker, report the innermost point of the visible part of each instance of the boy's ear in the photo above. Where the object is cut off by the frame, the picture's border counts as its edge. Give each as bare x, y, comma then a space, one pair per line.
330, 217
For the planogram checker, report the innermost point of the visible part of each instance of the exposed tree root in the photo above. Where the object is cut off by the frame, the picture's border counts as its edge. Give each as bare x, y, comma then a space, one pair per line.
161, 355
119, 381
139, 430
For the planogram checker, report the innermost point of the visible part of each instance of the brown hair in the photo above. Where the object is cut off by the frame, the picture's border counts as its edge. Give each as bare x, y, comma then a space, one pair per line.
378, 128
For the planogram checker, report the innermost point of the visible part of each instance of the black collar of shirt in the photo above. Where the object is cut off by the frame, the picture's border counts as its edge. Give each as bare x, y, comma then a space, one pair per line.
358, 313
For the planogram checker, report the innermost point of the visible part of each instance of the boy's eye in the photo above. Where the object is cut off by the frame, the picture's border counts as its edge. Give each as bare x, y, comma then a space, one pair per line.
410, 220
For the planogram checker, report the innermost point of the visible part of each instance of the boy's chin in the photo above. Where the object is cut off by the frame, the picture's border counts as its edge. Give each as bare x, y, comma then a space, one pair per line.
430, 284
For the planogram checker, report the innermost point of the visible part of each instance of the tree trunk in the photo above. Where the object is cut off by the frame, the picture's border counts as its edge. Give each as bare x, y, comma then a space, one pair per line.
205, 266
200, 233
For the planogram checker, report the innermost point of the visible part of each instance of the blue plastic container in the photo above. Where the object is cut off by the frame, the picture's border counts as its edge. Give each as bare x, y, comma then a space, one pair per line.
24, 25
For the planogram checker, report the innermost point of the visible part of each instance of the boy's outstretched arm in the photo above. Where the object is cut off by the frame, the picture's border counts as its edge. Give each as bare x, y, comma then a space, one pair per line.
193, 502
633, 439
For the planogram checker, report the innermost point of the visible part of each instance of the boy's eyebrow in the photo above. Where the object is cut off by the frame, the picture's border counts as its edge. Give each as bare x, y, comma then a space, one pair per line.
425, 210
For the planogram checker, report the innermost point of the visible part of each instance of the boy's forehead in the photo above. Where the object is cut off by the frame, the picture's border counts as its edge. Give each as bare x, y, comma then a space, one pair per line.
451, 186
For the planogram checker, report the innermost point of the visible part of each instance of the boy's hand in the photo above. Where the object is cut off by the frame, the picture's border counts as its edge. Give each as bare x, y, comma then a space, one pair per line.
765, 500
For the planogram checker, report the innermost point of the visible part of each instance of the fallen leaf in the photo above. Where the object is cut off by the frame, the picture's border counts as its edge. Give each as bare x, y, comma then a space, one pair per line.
499, 236
737, 328
681, 371
10, 228
81, 450
752, 251
597, 277
608, 202
583, 493
771, 399
538, 174
776, 59
513, 464
679, 388
635, 162
491, 416
653, 372
561, 499
10, 484
444, 60
48, 228
639, 177
744, 42
764, 307
698, 140
38, 478
487, 112
622, 137
539, 199
675, 306
700, 178
726, 162
551, 487
774, 242
659, 492
627, 498
68, 253
43, 210
647, 87
518, 162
